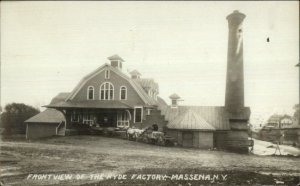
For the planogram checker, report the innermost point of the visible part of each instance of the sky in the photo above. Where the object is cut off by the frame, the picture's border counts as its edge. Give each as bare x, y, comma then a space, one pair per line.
47, 47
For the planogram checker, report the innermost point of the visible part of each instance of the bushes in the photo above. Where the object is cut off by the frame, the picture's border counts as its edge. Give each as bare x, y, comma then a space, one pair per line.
13, 117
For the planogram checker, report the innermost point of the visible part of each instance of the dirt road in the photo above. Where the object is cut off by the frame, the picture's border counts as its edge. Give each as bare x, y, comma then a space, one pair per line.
101, 155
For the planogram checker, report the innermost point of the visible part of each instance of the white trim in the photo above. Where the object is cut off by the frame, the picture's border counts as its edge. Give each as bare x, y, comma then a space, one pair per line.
113, 91
135, 113
58, 127
88, 118
87, 97
123, 123
129, 114
120, 97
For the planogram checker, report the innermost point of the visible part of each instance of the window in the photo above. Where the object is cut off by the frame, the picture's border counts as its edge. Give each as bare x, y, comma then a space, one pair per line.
123, 119
123, 93
88, 119
74, 116
106, 91
138, 114
90, 93
148, 112
107, 74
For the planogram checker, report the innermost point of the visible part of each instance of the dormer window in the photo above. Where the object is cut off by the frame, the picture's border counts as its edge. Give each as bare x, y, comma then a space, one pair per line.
90, 93
107, 74
123, 93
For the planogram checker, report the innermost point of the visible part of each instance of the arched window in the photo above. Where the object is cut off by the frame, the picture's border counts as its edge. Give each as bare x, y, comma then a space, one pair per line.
106, 91
123, 93
90, 93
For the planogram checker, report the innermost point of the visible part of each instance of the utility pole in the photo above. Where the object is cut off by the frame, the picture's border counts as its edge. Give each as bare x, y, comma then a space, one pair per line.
298, 65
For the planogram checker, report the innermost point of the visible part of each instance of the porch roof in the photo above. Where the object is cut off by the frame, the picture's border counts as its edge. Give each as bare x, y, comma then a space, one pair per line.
102, 104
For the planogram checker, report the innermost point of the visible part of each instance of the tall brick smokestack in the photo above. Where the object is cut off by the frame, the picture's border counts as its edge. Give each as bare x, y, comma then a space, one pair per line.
234, 98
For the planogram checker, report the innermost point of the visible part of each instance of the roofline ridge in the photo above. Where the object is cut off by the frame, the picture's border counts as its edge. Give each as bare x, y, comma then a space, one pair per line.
140, 90
84, 79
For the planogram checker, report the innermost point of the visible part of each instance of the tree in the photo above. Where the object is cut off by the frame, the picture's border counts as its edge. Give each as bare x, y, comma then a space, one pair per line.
296, 113
14, 115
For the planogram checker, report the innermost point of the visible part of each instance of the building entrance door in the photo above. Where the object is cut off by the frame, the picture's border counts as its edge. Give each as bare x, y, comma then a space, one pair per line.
187, 139
107, 120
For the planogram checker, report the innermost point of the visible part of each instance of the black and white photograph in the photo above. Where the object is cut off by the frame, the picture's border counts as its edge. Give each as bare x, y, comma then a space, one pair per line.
149, 93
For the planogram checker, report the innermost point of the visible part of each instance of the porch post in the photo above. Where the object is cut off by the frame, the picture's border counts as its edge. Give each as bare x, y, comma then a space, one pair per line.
68, 119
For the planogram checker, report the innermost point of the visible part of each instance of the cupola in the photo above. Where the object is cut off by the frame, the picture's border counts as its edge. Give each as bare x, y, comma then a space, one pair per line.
116, 61
174, 100
135, 74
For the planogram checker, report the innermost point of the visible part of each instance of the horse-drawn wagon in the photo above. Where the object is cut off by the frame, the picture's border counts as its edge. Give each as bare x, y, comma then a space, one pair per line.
149, 136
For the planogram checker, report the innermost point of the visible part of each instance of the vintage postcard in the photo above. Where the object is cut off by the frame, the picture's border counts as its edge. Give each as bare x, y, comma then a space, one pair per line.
150, 93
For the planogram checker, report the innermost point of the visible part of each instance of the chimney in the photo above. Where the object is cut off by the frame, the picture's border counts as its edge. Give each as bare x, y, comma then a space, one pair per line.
234, 98
135, 74
174, 100
116, 61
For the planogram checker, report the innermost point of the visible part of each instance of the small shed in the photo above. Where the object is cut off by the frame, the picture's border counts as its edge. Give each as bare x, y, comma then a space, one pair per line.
45, 124
191, 130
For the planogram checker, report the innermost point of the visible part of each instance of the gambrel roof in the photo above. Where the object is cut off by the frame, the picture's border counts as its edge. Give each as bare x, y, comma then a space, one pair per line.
60, 97
136, 86
147, 83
